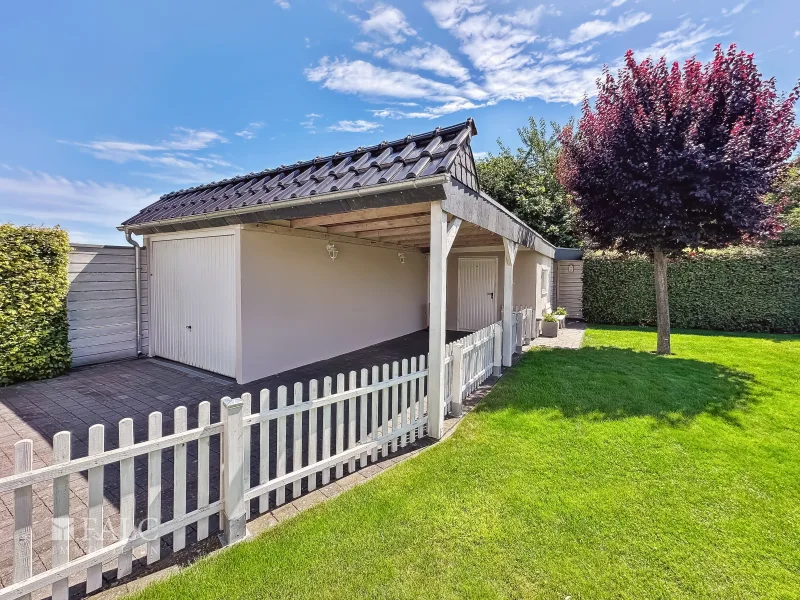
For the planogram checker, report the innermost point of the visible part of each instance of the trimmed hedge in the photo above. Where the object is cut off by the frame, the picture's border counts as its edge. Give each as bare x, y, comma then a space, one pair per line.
737, 289
34, 330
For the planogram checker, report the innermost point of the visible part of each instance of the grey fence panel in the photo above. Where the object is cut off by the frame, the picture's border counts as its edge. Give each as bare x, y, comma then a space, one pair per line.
102, 303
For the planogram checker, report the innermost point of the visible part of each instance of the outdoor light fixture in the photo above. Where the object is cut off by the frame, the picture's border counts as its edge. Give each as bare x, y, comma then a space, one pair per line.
332, 251
402, 258
571, 268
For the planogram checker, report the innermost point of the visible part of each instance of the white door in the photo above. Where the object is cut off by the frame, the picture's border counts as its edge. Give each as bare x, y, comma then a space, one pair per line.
477, 293
193, 297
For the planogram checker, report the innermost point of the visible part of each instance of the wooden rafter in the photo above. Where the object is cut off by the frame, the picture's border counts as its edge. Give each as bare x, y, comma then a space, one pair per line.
362, 215
396, 232
379, 224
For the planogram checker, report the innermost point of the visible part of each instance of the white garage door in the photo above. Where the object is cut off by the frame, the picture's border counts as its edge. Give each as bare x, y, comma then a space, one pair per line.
194, 302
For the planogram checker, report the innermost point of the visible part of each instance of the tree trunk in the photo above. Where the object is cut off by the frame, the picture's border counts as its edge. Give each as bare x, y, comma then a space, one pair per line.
662, 301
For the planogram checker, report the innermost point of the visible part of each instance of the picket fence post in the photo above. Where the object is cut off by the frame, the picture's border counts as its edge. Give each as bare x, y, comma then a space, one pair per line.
520, 331
498, 350
458, 378
234, 516
23, 515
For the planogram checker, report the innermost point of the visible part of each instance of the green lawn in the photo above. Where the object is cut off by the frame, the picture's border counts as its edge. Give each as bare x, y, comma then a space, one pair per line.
606, 472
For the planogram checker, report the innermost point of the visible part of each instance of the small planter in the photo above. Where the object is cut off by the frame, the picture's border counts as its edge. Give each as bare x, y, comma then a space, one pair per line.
550, 329
562, 319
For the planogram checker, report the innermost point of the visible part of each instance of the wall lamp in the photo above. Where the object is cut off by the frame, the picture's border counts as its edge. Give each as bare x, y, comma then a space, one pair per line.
332, 250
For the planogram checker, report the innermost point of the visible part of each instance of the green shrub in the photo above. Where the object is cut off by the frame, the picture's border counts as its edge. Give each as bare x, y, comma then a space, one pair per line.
561, 311
34, 339
737, 289
550, 318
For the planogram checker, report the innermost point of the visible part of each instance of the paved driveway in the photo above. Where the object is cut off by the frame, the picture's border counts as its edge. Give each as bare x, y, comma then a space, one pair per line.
107, 393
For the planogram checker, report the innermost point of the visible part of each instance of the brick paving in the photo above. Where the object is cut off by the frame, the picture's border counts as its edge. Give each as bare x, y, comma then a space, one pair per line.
571, 336
105, 394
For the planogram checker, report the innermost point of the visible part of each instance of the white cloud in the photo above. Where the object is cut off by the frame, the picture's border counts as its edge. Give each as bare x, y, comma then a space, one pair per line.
360, 77
249, 132
736, 9
175, 160
310, 124
386, 22
283, 4
593, 29
448, 13
684, 41
601, 12
507, 56
491, 41
429, 57
358, 126
480, 155
89, 210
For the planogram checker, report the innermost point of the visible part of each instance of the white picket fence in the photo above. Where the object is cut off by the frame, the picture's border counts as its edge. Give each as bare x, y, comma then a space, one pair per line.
365, 417
524, 326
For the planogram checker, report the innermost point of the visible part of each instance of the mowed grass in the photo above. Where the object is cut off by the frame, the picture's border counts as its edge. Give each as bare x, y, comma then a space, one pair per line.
606, 472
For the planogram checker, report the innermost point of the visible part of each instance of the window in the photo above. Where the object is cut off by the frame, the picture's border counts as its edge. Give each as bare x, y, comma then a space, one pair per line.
545, 282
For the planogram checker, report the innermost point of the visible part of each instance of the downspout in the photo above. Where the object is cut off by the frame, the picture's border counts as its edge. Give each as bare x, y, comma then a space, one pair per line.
137, 253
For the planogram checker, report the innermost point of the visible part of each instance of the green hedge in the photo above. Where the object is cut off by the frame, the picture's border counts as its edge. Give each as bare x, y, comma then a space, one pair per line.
34, 338
737, 289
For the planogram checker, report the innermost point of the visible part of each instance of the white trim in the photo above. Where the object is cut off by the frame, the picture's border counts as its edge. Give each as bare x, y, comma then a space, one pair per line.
237, 265
195, 233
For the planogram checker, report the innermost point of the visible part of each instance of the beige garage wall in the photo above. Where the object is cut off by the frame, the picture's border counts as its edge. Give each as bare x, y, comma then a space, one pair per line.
298, 306
527, 270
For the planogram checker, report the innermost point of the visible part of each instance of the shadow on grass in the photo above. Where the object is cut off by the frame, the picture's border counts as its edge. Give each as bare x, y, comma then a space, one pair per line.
613, 383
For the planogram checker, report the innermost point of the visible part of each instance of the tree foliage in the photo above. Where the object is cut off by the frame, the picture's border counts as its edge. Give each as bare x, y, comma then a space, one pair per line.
786, 199
525, 182
673, 158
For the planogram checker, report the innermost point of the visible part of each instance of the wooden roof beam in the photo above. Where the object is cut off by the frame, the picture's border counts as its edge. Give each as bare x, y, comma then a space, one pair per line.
380, 224
363, 215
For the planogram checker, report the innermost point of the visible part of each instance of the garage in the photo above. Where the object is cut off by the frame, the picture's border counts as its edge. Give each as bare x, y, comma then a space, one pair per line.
193, 295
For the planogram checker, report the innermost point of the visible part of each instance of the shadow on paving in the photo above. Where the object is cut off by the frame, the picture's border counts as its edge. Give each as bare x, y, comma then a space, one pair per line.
612, 383
104, 394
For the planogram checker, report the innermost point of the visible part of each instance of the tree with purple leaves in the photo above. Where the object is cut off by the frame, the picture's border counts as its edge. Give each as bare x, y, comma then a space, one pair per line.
672, 158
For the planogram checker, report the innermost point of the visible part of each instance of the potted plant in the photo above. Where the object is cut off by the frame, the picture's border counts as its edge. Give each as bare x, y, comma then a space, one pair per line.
561, 315
550, 325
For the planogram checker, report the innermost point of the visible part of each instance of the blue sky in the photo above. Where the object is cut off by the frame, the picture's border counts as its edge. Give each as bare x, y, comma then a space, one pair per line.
106, 105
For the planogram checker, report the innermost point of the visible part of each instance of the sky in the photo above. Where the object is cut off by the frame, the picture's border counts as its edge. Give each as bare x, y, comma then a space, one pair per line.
104, 106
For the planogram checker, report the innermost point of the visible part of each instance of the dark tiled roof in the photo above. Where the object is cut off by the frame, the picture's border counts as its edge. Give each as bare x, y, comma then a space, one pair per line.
440, 151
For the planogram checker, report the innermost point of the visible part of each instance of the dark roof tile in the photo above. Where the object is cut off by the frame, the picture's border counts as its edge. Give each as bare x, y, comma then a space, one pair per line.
415, 156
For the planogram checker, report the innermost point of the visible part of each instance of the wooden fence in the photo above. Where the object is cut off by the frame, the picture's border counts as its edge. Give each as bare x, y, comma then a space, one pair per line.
370, 414
101, 303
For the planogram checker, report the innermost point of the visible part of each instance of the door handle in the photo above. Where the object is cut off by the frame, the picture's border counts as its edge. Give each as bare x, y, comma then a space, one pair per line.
491, 294
189, 327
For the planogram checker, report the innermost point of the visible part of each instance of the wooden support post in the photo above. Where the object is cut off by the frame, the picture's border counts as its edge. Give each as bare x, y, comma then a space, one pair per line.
438, 298
498, 350
508, 300
234, 517
458, 379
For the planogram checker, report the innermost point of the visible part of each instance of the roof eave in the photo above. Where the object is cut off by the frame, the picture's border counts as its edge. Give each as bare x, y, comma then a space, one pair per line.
386, 189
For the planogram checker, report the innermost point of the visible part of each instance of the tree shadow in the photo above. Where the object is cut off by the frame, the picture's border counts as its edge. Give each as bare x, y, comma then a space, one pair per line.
612, 383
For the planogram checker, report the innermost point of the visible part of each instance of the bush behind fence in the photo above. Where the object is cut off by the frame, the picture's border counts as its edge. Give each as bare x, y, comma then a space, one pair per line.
33, 303
737, 289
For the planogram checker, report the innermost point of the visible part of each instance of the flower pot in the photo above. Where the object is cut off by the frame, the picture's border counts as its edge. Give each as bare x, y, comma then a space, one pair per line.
550, 329
562, 319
